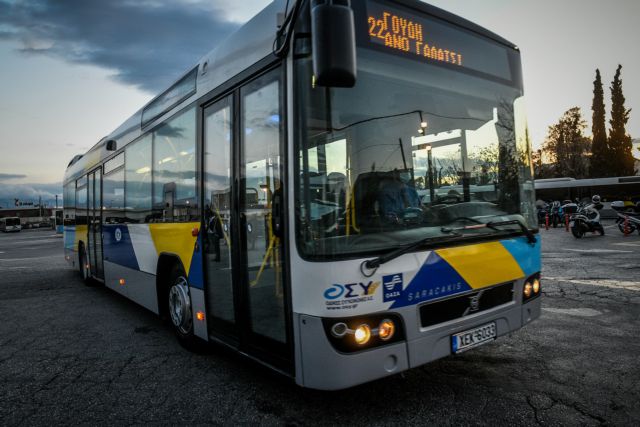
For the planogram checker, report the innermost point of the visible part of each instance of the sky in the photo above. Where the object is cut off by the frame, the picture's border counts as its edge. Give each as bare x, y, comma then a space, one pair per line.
71, 71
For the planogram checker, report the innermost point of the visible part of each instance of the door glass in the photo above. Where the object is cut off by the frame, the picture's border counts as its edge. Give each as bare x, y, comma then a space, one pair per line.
97, 203
260, 204
91, 248
217, 240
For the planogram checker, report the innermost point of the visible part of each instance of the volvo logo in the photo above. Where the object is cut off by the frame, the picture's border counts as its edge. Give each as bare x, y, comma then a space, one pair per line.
474, 303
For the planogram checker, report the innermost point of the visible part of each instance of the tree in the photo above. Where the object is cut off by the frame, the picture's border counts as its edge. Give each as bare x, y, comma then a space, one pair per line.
601, 153
567, 147
620, 143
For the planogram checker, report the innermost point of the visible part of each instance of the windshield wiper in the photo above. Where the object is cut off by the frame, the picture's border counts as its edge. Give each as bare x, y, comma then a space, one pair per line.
525, 230
477, 224
374, 263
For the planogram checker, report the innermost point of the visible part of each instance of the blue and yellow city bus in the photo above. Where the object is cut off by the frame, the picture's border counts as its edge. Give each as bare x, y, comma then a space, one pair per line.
340, 190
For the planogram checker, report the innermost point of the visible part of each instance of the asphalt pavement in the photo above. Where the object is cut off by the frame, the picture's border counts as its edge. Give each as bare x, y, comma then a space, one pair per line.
72, 354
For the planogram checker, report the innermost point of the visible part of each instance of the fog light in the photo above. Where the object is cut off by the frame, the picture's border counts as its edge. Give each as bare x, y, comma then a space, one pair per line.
527, 289
386, 329
339, 330
362, 334
536, 286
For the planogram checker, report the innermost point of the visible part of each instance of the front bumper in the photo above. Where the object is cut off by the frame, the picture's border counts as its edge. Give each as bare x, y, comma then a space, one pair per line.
320, 366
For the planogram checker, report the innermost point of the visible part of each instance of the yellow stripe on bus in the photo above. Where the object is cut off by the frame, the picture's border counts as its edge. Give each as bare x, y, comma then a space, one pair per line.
175, 239
482, 265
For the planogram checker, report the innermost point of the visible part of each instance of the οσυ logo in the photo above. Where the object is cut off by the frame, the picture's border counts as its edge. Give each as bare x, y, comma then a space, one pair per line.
351, 290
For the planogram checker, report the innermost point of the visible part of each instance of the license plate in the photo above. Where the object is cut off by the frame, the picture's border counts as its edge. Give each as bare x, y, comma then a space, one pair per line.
466, 340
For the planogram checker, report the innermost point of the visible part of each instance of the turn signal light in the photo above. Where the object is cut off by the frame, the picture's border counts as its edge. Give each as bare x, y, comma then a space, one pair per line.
386, 329
200, 316
362, 334
122, 282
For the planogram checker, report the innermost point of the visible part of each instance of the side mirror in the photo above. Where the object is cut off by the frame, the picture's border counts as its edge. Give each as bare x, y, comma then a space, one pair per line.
333, 37
112, 145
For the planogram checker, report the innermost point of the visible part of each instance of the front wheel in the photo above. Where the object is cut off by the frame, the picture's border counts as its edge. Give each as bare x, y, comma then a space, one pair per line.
576, 230
629, 229
85, 268
179, 308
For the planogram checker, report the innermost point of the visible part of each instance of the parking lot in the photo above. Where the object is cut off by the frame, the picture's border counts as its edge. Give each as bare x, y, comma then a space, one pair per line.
71, 354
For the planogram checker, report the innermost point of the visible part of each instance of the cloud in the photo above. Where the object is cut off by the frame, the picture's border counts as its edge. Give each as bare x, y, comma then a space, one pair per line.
30, 193
146, 43
7, 176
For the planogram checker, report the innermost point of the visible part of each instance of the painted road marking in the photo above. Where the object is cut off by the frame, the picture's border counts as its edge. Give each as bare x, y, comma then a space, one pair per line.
606, 283
600, 251
28, 259
579, 312
627, 244
35, 237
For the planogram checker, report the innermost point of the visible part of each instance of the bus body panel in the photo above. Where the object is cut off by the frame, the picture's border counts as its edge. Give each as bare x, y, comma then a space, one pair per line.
411, 279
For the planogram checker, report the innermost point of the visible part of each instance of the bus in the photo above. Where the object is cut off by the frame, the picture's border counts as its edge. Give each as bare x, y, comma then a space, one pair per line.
625, 188
56, 220
10, 224
268, 201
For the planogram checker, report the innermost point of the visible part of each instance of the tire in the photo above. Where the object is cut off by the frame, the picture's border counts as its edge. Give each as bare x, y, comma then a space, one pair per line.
630, 228
83, 266
577, 232
180, 317
601, 230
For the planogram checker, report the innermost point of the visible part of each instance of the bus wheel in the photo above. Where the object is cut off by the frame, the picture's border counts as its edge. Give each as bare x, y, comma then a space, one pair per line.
85, 269
179, 307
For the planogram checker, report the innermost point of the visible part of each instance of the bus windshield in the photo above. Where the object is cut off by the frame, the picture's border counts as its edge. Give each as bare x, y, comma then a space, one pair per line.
416, 149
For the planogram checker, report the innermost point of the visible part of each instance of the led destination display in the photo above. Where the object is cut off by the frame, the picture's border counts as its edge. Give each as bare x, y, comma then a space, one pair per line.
421, 37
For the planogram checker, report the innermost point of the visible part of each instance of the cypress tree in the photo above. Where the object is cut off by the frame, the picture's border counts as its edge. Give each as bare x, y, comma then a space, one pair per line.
619, 141
600, 156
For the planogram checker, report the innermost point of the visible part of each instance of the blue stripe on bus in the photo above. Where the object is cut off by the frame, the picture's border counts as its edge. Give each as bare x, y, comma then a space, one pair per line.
195, 271
526, 255
119, 251
436, 279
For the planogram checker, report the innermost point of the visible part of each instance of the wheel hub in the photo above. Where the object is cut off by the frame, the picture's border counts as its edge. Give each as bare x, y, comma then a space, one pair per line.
180, 305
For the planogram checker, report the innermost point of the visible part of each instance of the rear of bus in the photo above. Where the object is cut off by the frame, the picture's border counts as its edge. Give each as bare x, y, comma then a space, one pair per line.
414, 201
11, 224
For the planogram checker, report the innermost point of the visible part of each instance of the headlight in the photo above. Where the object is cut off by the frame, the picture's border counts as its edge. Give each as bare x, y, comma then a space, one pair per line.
536, 286
386, 329
339, 330
528, 288
531, 288
362, 334
352, 334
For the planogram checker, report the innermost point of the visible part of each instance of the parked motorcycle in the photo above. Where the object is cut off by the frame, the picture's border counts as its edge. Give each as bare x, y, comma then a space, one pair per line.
628, 223
587, 219
542, 210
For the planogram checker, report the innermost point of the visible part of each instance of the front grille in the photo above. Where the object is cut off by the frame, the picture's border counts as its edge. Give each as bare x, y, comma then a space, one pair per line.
464, 305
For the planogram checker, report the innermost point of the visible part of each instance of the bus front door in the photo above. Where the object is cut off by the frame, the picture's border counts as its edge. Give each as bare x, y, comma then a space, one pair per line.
94, 221
243, 244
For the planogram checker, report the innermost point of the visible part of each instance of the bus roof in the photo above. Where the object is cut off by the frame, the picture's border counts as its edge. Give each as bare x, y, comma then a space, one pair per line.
245, 47
544, 184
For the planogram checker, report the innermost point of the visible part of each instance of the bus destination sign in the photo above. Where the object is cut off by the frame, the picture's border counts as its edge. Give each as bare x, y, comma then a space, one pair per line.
424, 38
410, 35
